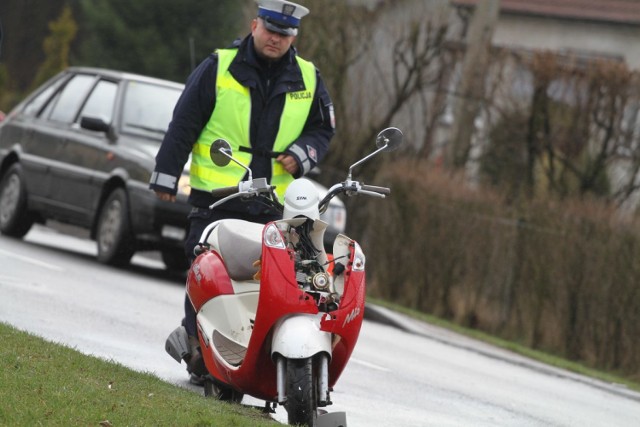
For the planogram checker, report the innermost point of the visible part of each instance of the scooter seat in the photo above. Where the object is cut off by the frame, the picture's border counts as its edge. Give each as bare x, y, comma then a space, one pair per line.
240, 245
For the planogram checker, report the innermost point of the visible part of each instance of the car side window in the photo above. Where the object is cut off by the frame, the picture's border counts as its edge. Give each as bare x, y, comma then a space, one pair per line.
35, 105
148, 108
100, 103
67, 103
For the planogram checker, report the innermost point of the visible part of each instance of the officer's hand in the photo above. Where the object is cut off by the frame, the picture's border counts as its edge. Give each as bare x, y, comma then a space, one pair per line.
288, 163
165, 196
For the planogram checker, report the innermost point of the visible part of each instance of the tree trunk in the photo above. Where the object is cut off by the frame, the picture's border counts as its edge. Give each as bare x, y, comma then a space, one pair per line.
471, 87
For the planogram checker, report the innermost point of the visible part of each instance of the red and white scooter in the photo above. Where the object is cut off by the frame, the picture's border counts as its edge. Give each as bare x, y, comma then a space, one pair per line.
278, 318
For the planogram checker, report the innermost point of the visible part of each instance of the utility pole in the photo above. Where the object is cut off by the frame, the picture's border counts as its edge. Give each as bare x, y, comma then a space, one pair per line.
471, 89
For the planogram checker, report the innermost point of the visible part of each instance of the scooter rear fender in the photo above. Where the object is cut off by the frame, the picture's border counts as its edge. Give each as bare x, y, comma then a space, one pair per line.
207, 279
299, 336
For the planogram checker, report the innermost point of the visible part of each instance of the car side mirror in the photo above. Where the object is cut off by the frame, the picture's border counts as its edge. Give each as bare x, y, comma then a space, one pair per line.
95, 124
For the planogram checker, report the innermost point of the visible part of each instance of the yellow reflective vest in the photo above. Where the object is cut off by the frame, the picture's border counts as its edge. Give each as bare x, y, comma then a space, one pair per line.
230, 121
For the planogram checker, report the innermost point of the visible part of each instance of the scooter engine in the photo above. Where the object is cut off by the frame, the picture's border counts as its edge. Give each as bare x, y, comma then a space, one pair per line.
310, 274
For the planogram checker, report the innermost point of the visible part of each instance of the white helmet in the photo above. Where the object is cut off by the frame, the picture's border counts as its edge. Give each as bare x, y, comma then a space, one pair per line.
301, 199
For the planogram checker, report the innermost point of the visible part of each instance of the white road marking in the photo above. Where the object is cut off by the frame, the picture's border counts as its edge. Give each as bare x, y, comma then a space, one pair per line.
369, 365
32, 261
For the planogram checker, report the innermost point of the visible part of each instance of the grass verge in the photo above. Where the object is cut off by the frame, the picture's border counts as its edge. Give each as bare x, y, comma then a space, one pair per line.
540, 356
42, 383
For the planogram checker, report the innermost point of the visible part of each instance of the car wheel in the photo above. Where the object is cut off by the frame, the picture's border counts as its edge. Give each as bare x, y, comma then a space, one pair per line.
115, 243
175, 259
15, 220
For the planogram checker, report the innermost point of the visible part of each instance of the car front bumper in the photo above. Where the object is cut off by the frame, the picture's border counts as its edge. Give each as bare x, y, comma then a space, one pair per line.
157, 224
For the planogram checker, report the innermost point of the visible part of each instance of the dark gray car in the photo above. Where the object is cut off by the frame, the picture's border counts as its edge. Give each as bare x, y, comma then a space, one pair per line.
80, 150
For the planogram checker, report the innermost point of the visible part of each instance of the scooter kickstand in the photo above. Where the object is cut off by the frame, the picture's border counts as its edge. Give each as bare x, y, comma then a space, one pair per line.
268, 409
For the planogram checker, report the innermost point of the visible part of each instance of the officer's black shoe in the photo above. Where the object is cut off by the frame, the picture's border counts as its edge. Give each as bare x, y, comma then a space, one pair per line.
196, 379
195, 362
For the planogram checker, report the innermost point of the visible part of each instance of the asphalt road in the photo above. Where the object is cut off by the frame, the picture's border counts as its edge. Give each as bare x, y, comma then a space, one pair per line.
403, 373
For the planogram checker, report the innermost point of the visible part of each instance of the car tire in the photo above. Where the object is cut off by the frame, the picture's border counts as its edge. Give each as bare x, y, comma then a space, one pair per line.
15, 219
113, 233
175, 259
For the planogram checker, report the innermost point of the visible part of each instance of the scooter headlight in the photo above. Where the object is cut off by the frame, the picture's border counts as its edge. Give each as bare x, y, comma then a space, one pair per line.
273, 237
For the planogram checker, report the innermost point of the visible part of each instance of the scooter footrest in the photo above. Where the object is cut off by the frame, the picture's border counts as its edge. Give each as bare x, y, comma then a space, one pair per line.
177, 344
232, 352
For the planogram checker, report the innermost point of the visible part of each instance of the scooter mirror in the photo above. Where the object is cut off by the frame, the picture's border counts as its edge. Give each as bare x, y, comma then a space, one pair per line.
220, 152
389, 139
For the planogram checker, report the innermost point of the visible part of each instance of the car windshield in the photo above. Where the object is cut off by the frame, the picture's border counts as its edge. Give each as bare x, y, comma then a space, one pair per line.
148, 108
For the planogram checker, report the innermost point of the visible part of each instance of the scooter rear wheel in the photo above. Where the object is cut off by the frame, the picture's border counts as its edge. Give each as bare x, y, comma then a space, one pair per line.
302, 385
216, 390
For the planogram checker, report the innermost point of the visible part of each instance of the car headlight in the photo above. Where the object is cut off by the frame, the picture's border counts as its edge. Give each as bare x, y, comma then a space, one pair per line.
184, 187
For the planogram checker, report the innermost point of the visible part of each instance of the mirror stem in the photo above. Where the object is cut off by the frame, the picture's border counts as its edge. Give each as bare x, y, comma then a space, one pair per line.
224, 153
365, 158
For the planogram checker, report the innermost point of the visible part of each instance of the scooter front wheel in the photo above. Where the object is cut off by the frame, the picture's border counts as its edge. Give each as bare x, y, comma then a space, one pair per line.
216, 390
301, 385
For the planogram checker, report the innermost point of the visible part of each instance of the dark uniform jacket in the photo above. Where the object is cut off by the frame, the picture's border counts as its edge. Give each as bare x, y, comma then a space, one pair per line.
268, 85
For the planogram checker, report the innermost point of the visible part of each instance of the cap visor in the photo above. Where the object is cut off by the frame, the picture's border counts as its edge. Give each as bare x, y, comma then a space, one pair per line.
285, 31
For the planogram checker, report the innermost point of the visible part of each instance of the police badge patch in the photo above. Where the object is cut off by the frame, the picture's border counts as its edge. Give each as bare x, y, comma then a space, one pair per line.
313, 154
288, 9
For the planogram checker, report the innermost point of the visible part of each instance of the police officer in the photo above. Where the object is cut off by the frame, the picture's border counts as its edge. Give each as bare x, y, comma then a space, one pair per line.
269, 104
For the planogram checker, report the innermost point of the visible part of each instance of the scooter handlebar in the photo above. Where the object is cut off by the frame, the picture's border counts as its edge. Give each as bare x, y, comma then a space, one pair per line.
375, 189
224, 191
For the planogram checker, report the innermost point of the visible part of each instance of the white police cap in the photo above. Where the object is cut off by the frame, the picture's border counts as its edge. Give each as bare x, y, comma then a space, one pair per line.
281, 16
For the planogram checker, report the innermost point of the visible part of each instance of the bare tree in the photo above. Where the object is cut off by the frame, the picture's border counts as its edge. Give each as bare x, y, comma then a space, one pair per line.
472, 88
577, 132
382, 62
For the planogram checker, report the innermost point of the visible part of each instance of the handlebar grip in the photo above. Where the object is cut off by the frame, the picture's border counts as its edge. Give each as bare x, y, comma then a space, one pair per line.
376, 189
224, 191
